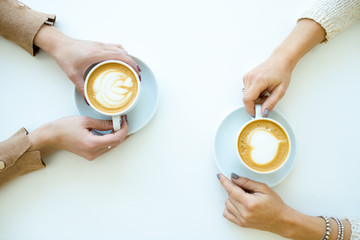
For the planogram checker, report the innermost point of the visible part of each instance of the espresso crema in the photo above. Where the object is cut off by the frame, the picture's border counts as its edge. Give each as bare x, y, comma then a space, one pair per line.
263, 145
112, 88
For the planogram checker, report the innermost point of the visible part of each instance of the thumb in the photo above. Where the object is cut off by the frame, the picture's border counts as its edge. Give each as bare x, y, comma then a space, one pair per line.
81, 90
98, 124
272, 100
248, 184
79, 83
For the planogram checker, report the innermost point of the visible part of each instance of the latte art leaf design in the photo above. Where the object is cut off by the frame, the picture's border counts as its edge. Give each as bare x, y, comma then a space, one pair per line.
113, 89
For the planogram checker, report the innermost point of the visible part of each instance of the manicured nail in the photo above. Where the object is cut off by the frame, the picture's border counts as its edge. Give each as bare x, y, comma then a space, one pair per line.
235, 176
140, 77
218, 176
86, 102
139, 69
126, 119
266, 112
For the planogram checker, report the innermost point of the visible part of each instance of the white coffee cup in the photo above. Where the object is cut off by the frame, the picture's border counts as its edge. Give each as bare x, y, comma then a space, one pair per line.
116, 117
258, 116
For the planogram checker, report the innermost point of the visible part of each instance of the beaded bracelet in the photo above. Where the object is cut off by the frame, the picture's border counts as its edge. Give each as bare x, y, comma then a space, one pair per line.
328, 229
340, 235
342, 230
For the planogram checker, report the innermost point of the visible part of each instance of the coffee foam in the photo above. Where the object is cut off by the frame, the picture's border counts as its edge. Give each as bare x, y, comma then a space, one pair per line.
264, 146
112, 88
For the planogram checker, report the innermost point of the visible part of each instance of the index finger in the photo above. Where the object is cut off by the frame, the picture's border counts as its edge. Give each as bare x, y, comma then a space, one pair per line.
119, 55
125, 58
115, 138
232, 190
251, 94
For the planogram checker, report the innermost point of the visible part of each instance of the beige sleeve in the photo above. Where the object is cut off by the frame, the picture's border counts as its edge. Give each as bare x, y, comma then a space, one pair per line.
15, 160
20, 24
333, 15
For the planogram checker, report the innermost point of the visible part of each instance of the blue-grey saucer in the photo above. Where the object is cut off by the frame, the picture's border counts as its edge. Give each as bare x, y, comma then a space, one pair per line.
225, 152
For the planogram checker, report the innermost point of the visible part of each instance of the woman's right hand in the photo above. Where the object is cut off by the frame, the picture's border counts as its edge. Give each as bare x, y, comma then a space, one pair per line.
252, 204
267, 84
255, 205
74, 134
76, 56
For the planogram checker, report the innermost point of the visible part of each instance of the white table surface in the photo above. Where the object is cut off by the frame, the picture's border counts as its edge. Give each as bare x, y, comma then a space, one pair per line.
161, 183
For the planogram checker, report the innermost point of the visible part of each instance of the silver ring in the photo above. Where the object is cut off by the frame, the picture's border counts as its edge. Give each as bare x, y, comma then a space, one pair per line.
265, 94
243, 90
108, 147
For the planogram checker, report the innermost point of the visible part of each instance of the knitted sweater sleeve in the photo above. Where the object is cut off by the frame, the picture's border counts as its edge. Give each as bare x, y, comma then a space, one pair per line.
333, 15
355, 228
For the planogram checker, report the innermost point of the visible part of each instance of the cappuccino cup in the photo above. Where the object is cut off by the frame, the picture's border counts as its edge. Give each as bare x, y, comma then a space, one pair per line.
263, 145
112, 88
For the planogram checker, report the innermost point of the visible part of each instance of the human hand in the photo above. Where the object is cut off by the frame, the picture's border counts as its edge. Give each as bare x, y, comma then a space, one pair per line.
74, 134
76, 56
253, 204
273, 76
266, 84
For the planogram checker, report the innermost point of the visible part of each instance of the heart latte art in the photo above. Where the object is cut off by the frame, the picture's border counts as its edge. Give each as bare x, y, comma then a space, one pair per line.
112, 88
263, 145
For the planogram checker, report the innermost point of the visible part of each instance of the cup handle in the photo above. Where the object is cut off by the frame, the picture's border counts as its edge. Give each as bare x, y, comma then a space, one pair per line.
116, 122
258, 111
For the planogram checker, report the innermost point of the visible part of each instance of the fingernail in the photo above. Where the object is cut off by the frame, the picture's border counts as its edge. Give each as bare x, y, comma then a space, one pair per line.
218, 176
139, 69
266, 112
126, 119
235, 176
86, 102
140, 77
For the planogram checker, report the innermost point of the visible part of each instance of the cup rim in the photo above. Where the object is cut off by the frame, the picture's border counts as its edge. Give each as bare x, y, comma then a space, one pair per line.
121, 63
288, 137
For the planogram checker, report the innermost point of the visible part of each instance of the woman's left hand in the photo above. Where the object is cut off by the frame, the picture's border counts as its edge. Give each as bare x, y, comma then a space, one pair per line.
253, 204
74, 134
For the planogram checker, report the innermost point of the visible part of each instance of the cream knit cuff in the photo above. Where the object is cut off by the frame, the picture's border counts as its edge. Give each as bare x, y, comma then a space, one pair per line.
333, 15
355, 228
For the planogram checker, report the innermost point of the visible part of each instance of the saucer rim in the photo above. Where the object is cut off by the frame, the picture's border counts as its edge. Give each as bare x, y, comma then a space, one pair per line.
157, 95
269, 174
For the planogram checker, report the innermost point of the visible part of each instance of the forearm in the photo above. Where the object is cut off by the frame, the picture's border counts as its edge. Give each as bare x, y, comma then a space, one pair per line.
306, 35
299, 226
50, 39
42, 139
